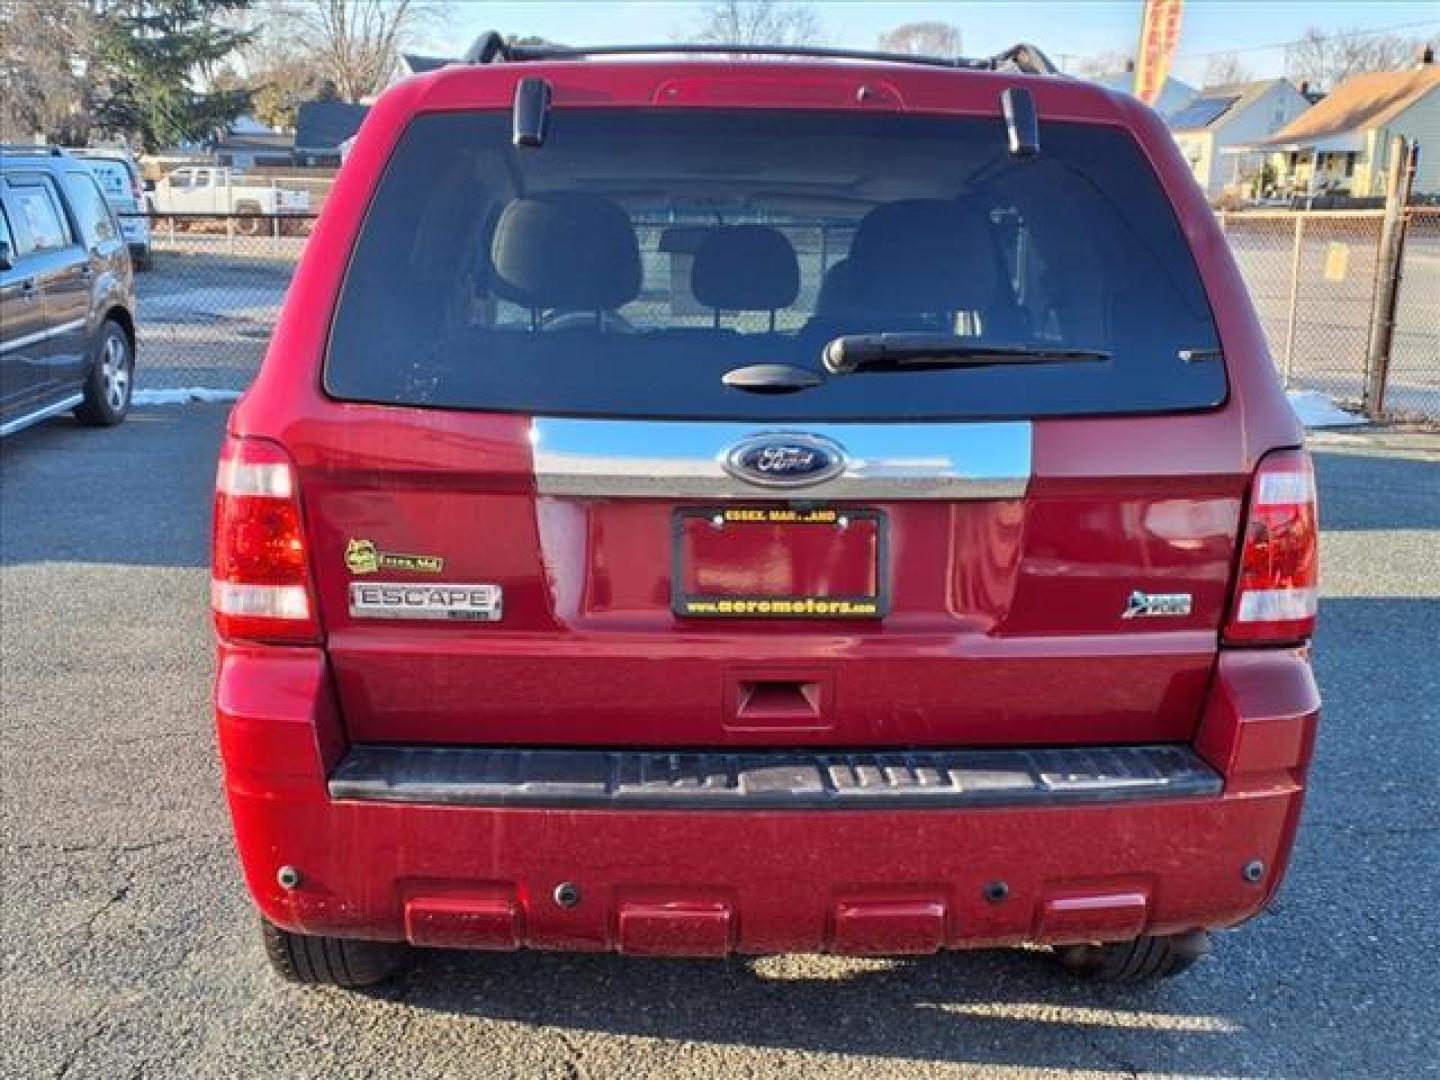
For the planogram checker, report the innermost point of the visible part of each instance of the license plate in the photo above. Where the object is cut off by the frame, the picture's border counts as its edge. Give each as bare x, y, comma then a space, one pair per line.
749, 562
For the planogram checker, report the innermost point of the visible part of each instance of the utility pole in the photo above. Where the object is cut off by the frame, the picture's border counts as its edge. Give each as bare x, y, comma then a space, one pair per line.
1404, 157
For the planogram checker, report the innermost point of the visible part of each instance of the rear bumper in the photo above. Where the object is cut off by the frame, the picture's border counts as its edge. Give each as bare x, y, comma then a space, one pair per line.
704, 880
917, 779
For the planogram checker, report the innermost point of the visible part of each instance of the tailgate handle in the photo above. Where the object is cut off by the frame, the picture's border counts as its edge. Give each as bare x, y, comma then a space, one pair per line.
778, 700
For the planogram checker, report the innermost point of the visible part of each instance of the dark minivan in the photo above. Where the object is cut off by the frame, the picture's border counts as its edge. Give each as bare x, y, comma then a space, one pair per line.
67, 294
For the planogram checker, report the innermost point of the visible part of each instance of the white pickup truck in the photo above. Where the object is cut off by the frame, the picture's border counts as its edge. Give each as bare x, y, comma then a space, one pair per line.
206, 189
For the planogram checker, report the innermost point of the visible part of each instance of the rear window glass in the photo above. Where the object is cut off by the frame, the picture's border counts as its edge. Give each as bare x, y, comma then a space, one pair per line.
627, 265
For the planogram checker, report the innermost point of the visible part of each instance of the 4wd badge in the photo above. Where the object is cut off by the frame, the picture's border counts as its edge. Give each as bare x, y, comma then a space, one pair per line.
362, 557
1143, 605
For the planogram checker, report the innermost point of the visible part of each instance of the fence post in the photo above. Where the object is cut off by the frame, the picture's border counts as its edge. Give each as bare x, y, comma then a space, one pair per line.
1291, 323
1404, 157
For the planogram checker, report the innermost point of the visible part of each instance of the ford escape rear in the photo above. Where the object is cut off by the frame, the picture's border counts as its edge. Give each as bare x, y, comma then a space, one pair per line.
693, 507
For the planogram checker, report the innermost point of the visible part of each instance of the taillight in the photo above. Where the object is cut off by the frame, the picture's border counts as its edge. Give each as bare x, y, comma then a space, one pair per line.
1277, 588
260, 587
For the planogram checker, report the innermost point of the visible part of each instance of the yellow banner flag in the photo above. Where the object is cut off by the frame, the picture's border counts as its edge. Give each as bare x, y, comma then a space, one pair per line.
1159, 35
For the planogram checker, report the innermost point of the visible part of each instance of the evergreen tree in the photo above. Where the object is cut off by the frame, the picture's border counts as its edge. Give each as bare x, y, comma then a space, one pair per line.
153, 53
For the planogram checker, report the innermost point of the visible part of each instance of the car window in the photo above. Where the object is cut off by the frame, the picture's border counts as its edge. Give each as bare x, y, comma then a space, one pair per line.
20, 236
35, 201
579, 279
180, 178
91, 211
5, 237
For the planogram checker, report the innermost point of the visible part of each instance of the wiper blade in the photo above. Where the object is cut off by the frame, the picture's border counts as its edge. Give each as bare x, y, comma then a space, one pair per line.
904, 351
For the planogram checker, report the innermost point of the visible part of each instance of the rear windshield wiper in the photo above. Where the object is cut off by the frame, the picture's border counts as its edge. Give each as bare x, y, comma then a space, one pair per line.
904, 351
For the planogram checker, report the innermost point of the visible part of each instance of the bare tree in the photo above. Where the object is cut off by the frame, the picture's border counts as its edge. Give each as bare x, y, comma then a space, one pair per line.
1224, 69
278, 68
758, 22
922, 39
356, 44
1325, 60
1108, 62
47, 53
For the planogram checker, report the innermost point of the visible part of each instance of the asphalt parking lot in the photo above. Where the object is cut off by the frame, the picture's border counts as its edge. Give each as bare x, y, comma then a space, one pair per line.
129, 946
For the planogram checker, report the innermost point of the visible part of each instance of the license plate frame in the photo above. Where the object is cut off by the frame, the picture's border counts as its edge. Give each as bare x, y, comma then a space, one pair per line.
850, 607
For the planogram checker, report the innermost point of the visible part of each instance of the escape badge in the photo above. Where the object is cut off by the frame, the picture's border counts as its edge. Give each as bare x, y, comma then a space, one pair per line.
362, 557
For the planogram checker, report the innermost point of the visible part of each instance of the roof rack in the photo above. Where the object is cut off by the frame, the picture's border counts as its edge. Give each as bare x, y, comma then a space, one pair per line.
490, 48
31, 150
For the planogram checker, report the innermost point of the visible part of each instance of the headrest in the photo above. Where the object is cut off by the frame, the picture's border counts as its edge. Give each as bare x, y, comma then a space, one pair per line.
926, 255
566, 250
745, 268
837, 290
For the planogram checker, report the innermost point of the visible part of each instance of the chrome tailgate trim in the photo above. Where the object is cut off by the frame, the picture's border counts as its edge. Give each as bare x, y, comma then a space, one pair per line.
683, 459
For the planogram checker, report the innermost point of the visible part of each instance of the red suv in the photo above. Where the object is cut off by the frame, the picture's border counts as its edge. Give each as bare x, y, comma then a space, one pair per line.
695, 506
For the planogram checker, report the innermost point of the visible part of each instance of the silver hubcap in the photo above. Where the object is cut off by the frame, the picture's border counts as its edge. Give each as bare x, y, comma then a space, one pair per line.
115, 372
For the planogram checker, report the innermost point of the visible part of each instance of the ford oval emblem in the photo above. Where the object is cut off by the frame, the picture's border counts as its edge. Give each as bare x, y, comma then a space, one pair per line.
785, 459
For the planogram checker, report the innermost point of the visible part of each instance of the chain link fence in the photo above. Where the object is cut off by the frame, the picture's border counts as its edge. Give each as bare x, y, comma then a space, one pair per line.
1314, 278
1413, 384
211, 295
216, 283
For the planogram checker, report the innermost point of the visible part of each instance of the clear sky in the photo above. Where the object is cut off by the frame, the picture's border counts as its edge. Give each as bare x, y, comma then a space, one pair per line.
1062, 28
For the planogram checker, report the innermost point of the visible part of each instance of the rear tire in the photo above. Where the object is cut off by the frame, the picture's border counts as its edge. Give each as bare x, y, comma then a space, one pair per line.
1141, 960
111, 381
249, 225
327, 961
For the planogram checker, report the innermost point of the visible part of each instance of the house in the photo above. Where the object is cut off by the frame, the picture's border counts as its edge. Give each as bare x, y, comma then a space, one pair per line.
1219, 118
1173, 94
247, 143
1342, 145
320, 128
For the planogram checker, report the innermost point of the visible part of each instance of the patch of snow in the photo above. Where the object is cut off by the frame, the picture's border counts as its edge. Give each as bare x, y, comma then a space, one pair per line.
182, 396
1317, 410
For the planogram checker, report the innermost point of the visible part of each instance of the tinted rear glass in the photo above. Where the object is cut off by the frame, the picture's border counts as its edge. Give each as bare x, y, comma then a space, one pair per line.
625, 266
